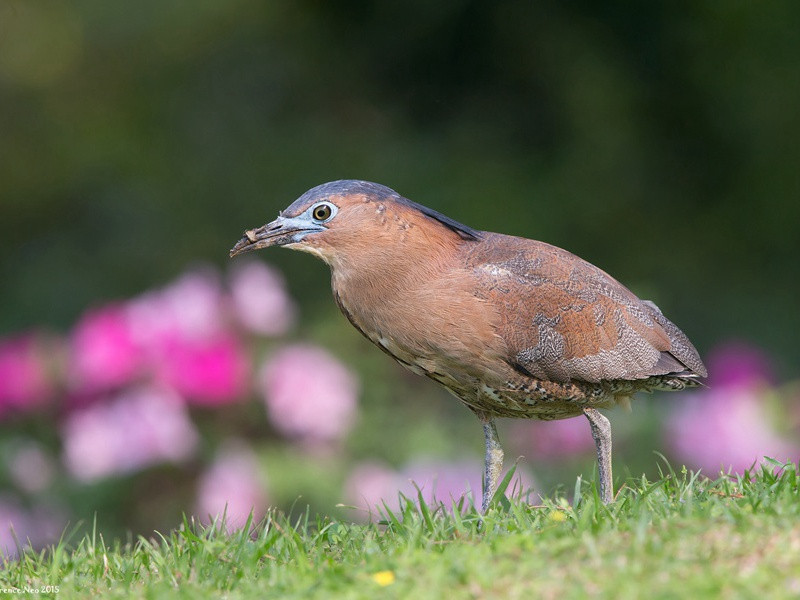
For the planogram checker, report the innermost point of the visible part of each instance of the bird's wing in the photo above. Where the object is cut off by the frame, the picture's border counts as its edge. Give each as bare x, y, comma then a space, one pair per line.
563, 319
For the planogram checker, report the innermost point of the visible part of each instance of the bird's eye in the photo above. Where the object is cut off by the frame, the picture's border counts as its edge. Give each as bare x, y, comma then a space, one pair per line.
322, 212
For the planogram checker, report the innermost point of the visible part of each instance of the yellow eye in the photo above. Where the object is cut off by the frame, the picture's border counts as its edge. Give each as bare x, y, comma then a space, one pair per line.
321, 212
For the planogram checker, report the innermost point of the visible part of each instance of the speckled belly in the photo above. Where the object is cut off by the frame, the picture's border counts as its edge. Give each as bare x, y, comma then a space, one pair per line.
549, 400
532, 399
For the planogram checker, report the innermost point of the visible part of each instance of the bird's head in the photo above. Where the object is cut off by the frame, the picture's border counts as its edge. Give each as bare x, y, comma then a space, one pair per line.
348, 216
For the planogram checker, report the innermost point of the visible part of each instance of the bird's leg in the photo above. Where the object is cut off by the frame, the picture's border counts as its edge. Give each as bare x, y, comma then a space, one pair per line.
601, 432
493, 461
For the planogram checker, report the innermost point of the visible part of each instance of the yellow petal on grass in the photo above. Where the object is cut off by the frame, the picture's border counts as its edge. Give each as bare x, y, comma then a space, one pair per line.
383, 578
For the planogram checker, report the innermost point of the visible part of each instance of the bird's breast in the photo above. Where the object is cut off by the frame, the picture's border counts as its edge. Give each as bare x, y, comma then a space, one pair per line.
435, 326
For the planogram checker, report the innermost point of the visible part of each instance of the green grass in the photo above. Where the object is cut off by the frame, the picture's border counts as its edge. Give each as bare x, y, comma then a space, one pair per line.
682, 536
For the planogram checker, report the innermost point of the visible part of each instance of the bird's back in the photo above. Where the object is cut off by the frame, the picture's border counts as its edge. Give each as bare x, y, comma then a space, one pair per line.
563, 319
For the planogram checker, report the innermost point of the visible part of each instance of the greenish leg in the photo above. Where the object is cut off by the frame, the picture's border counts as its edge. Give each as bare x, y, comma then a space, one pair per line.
601, 432
493, 461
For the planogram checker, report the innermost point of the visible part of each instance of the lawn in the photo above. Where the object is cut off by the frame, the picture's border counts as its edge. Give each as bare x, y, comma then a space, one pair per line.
681, 536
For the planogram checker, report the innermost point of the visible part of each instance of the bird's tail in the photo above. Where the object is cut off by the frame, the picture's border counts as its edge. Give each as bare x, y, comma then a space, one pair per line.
689, 367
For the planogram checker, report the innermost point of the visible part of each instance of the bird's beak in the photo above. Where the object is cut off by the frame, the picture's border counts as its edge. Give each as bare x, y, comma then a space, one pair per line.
281, 231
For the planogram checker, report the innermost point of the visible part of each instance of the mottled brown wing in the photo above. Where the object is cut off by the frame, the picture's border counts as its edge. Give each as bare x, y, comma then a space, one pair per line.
564, 319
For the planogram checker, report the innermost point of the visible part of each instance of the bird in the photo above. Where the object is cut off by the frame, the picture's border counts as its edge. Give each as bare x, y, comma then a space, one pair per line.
512, 327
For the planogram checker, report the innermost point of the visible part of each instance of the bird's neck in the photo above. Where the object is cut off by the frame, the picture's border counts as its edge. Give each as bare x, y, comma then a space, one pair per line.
382, 270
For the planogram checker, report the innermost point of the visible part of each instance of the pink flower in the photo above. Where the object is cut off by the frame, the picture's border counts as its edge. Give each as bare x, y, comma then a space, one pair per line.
23, 374
259, 298
559, 440
208, 372
141, 427
372, 485
726, 428
231, 486
194, 303
447, 482
309, 394
191, 308
36, 527
31, 467
103, 352
443, 481
14, 522
738, 364
728, 425
182, 331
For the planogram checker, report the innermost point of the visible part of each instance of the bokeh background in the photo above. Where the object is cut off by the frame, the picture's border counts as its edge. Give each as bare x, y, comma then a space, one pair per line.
144, 375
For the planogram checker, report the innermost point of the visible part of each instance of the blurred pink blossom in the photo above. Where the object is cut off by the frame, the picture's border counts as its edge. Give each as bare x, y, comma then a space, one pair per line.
370, 485
31, 467
14, 523
208, 372
309, 394
259, 298
36, 527
726, 428
182, 331
232, 486
443, 481
190, 308
448, 481
142, 426
558, 440
194, 303
728, 425
23, 374
103, 352
738, 364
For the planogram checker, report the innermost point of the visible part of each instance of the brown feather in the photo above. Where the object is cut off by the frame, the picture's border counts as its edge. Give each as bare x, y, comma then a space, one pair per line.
564, 319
